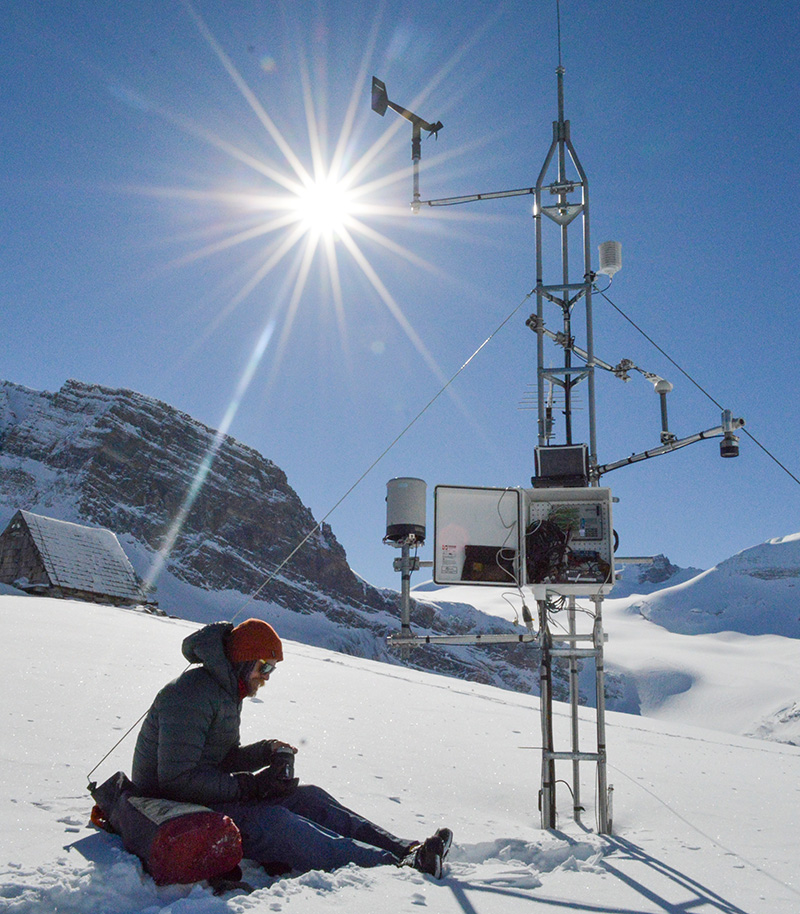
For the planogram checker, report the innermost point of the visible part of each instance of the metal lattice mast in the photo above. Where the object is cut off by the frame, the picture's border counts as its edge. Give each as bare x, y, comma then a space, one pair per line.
566, 292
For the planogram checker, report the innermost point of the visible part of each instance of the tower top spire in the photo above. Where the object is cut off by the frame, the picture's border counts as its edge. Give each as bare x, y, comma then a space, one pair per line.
558, 17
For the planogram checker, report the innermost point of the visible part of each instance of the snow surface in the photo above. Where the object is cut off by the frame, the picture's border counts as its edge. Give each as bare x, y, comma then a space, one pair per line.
629, 580
703, 821
739, 683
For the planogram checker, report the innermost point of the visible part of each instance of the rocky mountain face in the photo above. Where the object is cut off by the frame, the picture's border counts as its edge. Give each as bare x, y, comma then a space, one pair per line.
648, 578
127, 462
215, 518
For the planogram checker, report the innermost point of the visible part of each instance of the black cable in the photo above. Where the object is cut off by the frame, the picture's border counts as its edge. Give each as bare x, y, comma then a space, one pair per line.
666, 356
122, 739
569, 788
696, 384
771, 456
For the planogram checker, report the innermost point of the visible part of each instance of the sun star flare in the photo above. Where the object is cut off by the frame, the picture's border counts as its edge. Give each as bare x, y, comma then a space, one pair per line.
325, 207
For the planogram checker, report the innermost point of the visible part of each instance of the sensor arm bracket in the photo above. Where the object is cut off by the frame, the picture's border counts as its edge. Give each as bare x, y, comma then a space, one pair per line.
720, 430
473, 198
555, 188
415, 119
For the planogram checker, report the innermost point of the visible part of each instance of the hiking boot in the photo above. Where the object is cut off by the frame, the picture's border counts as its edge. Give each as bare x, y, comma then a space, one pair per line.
427, 858
221, 885
446, 836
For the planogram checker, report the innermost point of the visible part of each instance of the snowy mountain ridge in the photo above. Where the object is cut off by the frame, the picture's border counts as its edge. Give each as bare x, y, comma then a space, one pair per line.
649, 577
754, 592
219, 517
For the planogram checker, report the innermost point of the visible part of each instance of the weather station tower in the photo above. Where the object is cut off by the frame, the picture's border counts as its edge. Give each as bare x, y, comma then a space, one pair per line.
552, 541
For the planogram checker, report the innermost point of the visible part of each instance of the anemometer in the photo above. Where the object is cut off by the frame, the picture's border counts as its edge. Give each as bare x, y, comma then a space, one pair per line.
554, 540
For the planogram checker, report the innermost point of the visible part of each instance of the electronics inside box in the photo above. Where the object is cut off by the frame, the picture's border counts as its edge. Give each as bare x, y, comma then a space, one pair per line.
489, 564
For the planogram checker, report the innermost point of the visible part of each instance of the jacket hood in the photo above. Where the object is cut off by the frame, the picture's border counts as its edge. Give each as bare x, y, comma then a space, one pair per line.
207, 646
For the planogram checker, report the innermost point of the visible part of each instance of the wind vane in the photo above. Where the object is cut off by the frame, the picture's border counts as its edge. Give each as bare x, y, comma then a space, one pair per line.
380, 102
555, 539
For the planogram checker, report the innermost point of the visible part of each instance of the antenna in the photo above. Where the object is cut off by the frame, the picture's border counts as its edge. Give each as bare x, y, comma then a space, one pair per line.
557, 538
564, 290
558, 18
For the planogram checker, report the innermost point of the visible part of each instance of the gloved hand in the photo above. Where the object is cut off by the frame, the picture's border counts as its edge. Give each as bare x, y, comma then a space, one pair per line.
267, 784
254, 756
270, 784
263, 752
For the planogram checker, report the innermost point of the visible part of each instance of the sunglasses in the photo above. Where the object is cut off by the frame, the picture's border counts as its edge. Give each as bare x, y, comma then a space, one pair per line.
265, 668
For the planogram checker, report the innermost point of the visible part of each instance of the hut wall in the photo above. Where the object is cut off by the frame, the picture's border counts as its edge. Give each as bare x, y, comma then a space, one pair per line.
19, 557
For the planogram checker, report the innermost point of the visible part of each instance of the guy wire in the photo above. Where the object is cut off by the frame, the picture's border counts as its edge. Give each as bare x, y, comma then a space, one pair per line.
698, 386
378, 459
319, 524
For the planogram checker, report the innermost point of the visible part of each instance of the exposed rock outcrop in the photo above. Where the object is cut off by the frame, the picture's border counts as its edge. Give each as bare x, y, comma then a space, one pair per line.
223, 516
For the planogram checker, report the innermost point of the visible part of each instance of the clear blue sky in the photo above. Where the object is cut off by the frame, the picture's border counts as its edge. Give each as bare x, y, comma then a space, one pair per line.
144, 146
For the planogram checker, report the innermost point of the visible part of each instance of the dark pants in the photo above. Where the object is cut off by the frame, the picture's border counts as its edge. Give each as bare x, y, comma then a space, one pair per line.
310, 830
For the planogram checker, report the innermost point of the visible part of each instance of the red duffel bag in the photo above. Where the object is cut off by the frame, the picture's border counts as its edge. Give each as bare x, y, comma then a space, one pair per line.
176, 842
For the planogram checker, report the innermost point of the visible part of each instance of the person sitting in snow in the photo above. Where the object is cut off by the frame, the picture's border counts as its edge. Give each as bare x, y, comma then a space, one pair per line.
189, 750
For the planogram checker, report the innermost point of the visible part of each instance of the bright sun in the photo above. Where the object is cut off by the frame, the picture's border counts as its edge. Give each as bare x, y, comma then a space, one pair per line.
324, 207
302, 212
306, 211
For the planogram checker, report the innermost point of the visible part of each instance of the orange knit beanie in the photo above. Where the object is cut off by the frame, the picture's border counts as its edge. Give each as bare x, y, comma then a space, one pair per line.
254, 639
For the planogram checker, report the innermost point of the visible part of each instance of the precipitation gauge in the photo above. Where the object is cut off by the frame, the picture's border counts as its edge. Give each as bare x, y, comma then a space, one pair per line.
554, 540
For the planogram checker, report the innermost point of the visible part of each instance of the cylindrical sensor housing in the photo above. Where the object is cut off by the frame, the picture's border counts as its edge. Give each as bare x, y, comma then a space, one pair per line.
405, 509
610, 257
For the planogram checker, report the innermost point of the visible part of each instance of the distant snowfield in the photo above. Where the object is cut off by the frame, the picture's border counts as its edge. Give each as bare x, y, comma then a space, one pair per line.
703, 821
743, 684
754, 592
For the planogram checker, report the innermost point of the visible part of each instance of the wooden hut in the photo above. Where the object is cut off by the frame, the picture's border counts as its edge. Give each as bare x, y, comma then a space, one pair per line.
59, 559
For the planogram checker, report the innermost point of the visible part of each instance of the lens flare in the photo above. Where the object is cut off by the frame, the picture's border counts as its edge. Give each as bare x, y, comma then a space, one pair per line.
301, 211
179, 520
325, 207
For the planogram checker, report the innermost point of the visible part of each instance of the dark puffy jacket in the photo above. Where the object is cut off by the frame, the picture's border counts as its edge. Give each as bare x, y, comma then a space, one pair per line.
188, 748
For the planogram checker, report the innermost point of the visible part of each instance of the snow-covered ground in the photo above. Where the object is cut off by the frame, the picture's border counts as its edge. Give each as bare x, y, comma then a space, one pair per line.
703, 821
737, 681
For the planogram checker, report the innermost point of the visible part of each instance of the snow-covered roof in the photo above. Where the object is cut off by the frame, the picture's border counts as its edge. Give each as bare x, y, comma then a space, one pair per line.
83, 558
